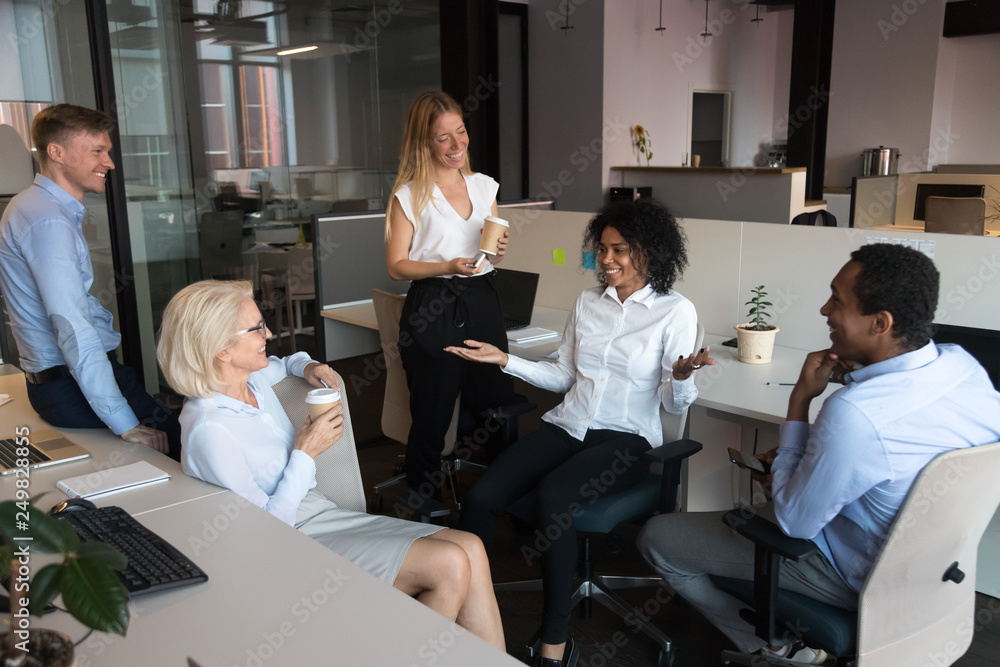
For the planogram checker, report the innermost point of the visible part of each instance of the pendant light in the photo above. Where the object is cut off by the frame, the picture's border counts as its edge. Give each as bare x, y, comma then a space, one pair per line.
566, 16
757, 19
706, 33
661, 28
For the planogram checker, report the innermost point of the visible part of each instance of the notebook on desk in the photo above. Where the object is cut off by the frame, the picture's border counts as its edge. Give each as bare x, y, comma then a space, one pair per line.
37, 450
517, 297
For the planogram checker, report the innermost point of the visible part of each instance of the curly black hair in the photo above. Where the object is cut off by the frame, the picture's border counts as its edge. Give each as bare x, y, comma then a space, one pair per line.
902, 281
656, 242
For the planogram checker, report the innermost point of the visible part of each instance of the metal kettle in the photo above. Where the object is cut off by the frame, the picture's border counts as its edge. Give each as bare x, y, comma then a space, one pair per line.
879, 161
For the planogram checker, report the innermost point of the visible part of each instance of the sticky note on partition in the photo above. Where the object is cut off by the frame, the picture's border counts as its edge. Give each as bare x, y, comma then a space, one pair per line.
589, 261
559, 256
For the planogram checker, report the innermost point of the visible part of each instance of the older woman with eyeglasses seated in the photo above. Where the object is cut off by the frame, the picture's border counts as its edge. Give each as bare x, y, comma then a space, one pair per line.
234, 433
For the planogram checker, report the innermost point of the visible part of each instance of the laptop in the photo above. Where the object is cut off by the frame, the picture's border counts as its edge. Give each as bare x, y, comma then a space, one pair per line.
517, 296
45, 448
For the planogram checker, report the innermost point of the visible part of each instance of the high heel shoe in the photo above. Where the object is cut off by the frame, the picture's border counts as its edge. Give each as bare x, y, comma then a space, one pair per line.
571, 655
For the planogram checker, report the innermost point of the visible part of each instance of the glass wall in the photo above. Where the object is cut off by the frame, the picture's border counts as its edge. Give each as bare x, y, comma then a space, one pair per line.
45, 60
228, 148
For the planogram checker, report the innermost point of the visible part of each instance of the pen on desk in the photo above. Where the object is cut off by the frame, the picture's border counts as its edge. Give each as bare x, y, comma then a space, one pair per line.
780, 384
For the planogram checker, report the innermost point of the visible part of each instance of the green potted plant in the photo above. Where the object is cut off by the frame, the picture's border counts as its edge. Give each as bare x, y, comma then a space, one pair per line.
85, 577
755, 339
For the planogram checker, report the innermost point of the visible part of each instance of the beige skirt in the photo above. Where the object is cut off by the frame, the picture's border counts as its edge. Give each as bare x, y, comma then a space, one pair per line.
373, 542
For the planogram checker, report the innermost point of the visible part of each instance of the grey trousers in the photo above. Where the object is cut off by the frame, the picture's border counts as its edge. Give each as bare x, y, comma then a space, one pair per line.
685, 548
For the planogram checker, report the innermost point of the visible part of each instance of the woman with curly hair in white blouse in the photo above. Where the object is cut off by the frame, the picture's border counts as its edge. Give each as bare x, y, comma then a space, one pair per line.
625, 352
234, 433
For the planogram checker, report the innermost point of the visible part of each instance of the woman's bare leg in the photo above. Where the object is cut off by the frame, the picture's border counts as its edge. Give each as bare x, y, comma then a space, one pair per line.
437, 572
480, 614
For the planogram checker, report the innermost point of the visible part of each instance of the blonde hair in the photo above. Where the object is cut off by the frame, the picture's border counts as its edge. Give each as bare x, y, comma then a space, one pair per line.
416, 161
198, 323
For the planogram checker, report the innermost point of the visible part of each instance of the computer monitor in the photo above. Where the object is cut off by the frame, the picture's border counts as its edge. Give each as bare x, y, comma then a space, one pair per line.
925, 190
258, 177
517, 296
983, 344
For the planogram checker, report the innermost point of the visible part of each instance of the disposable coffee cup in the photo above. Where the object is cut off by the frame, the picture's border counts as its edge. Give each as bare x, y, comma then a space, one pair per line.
321, 400
493, 229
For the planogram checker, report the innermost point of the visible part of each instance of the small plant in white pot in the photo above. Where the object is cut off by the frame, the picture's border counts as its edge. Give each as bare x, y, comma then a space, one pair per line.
755, 339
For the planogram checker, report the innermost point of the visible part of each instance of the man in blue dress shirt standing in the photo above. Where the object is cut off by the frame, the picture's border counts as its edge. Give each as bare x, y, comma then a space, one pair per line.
64, 335
841, 481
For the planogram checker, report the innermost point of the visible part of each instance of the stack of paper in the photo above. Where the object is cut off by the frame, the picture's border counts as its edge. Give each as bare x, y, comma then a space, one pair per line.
530, 334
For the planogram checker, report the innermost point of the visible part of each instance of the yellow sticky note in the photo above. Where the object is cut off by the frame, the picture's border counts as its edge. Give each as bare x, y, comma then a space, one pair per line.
559, 256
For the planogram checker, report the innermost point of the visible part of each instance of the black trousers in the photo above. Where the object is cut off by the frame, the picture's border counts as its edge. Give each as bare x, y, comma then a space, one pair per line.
62, 404
439, 312
564, 475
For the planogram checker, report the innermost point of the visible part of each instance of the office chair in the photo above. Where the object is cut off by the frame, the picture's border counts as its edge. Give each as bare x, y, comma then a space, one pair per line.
955, 215
396, 407
810, 219
657, 493
338, 475
300, 287
917, 605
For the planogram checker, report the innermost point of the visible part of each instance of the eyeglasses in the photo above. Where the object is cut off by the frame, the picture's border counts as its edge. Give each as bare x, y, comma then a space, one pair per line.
261, 326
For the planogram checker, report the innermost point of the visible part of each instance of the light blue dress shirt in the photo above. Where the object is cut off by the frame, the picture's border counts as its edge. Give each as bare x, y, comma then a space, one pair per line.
842, 481
250, 450
45, 274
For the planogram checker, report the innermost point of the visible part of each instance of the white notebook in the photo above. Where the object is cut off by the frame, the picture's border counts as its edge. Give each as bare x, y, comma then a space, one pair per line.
529, 334
101, 482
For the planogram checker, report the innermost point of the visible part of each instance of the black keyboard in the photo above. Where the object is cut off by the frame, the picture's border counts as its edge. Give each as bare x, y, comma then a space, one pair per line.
514, 325
153, 563
8, 453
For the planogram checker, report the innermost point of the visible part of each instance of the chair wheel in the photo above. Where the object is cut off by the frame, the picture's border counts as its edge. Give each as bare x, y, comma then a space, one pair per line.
376, 503
666, 659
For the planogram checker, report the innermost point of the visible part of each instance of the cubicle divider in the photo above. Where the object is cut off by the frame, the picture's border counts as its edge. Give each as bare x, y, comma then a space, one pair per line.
726, 258
795, 264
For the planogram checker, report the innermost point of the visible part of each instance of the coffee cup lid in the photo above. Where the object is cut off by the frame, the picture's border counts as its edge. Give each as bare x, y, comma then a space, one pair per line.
499, 221
324, 395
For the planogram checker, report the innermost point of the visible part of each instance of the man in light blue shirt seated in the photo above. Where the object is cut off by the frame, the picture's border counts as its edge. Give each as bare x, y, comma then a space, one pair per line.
64, 335
841, 481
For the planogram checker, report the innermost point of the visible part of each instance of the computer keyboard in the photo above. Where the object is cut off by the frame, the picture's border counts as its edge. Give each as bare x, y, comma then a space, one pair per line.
153, 563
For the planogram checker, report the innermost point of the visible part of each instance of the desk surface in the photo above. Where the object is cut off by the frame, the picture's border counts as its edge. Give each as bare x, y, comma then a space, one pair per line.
107, 451
272, 592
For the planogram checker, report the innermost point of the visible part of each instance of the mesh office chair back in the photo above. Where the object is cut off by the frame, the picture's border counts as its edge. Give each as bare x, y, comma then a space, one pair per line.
338, 474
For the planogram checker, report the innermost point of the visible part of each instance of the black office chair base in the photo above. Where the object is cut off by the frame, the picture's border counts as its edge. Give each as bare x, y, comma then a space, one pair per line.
601, 588
449, 467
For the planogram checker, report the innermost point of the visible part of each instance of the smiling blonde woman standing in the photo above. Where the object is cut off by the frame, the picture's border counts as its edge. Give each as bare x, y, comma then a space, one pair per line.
433, 225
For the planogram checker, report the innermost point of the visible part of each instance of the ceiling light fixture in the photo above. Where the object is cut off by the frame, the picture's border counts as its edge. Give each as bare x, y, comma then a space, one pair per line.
706, 33
301, 49
566, 14
661, 28
757, 19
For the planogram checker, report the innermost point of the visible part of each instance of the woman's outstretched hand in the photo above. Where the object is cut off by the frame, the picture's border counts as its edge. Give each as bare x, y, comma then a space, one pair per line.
683, 367
481, 352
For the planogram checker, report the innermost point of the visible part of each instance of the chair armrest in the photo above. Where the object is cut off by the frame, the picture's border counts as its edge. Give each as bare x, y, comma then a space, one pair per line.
674, 451
672, 455
513, 410
768, 535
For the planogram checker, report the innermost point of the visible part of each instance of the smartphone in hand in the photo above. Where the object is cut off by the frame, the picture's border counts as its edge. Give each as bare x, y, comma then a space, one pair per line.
477, 261
747, 461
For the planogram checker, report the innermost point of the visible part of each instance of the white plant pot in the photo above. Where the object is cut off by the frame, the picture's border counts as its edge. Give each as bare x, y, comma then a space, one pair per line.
755, 347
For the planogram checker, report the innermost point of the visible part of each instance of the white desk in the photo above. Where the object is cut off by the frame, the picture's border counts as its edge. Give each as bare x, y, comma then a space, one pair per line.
349, 329
107, 451
274, 596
